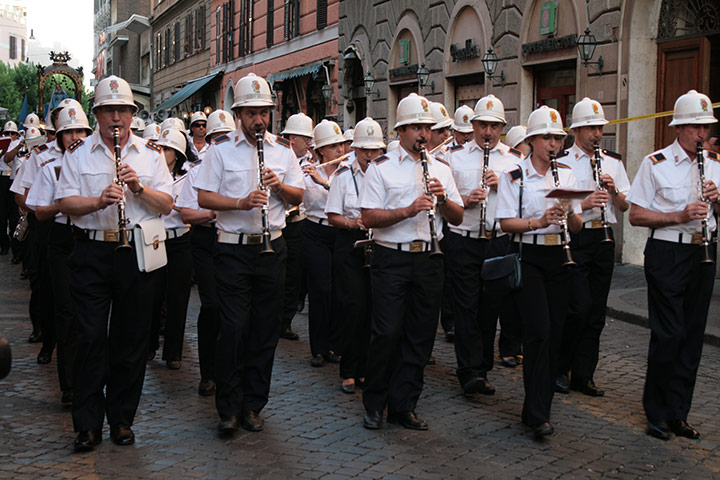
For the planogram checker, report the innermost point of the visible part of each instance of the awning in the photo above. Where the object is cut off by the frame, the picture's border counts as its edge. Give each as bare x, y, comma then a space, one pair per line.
186, 92
136, 23
294, 72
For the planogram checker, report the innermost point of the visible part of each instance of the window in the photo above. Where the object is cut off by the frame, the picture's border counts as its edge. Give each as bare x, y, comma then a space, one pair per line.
22, 49
188, 44
176, 42
246, 21
270, 24
158, 51
13, 47
200, 28
321, 14
166, 48
218, 36
224, 17
292, 18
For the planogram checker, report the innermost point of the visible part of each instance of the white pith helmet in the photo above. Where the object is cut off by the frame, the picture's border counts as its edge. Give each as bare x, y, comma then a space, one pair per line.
326, 133
349, 134
414, 109
299, 124
31, 120
441, 116
252, 91
693, 108
113, 90
489, 109
588, 113
198, 117
72, 117
34, 137
138, 124
151, 132
461, 122
174, 139
172, 122
10, 126
67, 102
219, 121
543, 121
368, 134
515, 135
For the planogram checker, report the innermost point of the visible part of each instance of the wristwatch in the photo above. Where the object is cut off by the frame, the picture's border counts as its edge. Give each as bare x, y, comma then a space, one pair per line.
443, 200
139, 190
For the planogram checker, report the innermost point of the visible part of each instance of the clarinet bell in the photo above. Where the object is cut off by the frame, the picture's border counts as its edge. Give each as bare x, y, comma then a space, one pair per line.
569, 262
606, 235
435, 250
266, 246
706, 256
123, 242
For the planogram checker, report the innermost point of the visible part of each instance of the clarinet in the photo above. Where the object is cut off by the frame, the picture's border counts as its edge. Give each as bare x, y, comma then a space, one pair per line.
434, 244
597, 171
266, 246
367, 246
706, 257
564, 234
123, 221
483, 203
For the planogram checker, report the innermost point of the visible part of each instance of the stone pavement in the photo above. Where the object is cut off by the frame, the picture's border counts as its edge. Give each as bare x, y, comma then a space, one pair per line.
313, 430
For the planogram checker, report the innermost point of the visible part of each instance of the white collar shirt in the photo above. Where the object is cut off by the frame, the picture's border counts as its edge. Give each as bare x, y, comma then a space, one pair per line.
42, 192
90, 168
344, 196
174, 219
200, 154
315, 196
467, 164
536, 187
583, 170
230, 168
38, 156
394, 181
6, 168
667, 181
188, 197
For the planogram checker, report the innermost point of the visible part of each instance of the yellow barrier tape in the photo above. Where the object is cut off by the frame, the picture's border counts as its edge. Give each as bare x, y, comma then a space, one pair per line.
649, 116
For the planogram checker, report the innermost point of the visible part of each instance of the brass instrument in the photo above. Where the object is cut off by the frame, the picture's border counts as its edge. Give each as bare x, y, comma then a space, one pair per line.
706, 256
434, 243
123, 221
266, 246
483, 185
564, 233
597, 171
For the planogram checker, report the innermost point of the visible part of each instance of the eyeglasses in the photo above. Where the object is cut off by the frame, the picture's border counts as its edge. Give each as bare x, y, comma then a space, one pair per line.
442, 130
200, 125
112, 109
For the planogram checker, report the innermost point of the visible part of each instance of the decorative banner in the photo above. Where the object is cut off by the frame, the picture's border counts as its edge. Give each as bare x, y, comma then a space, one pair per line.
548, 18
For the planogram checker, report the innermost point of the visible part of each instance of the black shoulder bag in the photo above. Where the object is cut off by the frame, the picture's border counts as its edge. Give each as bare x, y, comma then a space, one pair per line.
502, 275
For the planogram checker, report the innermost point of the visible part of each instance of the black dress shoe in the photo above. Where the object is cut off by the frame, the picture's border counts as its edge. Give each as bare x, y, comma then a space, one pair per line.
228, 425
87, 440
373, 420
682, 429
349, 388
562, 385
331, 357
173, 364
44, 358
15, 260
251, 421
478, 385
122, 434
150, 355
66, 398
450, 336
509, 362
543, 430
4, 251
35, 337
287, 333
408, 420
317, 361
587, 387
658, 430
206, 388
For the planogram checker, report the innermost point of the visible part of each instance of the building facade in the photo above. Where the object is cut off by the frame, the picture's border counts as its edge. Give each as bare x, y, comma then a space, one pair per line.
13, 34
650, 52
291, 43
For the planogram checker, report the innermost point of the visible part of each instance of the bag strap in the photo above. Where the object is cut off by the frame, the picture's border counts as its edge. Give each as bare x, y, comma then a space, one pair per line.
522, 184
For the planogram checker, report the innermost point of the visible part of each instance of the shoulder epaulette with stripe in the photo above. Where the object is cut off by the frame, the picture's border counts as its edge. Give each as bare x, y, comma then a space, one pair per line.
562, 165
47, 161
74, 146
381, 159
456, 148
657, 158
562, 154
442, 160
713, 156
220, 139
610, 154
41, 148
284, 142
153, 146
195, 163
516, 174
342, 169
515, 152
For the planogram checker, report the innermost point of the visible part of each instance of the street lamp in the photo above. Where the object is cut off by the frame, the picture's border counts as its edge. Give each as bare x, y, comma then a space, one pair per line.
369, 83
423, 75
490, 62
327, 91
586, 44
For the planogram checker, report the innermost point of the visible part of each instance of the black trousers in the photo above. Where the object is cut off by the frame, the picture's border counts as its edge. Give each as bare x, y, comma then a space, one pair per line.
294, 270
352, 284
41, 292
13, 218
679, 293
542, 301
588, 300
204, 240
447, 308
173, 295
475, 314
406, 297
5, 211
248, 288
66, 321
319, 245
113, 357
510, 338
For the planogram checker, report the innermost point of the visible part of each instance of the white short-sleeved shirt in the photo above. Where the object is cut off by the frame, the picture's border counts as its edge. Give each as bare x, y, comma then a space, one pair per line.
345, 190
42, 192
188, 197
315, 196
667, 181
38, 156
5, 168
466, 162
536, 187
17, 166
200, 154
394, 181
174, 219
582, 168
89, 167
230, 168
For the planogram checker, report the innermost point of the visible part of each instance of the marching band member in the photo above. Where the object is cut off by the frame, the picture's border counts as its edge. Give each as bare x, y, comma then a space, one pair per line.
406, 273
6, 168
669, 197
198, 132
543, 297
250, 254
515, 138
462, 129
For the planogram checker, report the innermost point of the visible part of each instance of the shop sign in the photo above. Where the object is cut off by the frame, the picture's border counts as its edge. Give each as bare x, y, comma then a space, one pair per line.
549, 45
548, 18
470, 51
404, 71
404, 51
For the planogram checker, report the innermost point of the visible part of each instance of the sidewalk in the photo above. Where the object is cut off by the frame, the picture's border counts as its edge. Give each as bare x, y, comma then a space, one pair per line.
628, 301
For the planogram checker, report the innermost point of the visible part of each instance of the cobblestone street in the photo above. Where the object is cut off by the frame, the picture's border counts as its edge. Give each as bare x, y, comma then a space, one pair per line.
313, 430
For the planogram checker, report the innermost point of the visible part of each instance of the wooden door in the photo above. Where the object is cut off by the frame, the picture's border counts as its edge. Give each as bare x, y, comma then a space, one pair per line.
682, 65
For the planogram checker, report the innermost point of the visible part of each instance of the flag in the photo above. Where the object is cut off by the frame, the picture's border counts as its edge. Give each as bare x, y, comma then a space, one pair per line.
23, 111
